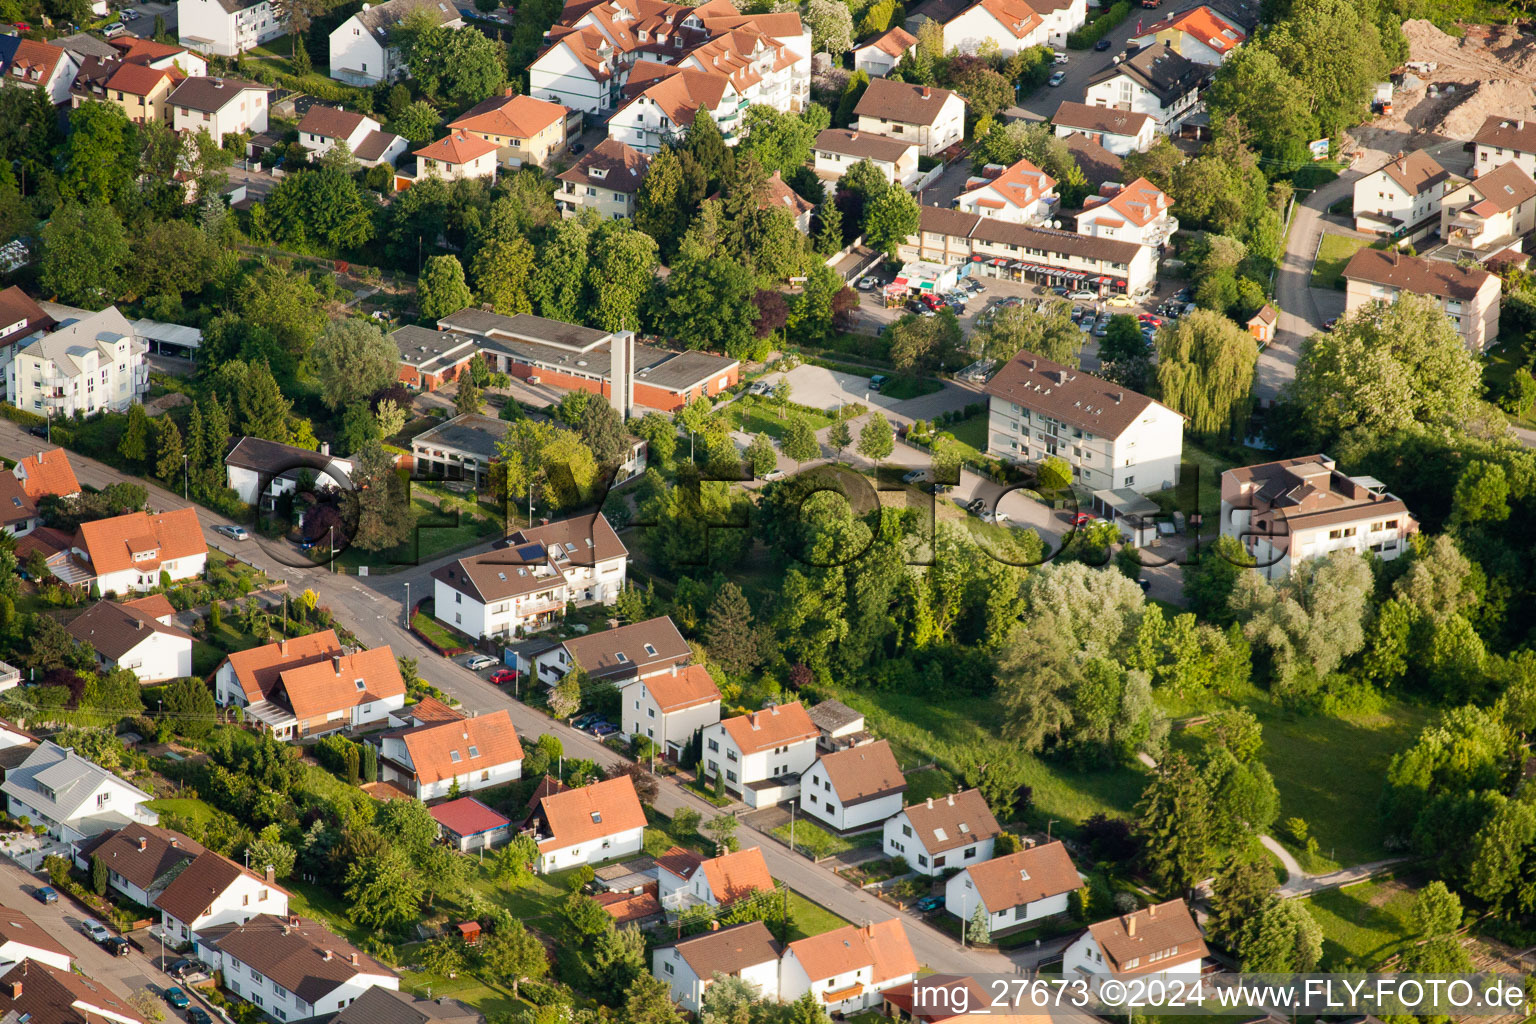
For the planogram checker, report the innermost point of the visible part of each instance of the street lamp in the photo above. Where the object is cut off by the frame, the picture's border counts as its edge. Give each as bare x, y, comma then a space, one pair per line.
407, 604
332, 533
186, 480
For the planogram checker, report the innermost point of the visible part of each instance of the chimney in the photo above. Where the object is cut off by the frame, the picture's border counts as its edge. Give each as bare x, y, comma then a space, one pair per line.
293, 919
930, 803
354, 959
1130, 925
143, 844
714, 925
1116, 396
328, 955
509, 91
325, 447
336, 663
927, 92
282, 646
271, 874
951, 799
752, 719
15, 988
1152, 910
674, 668
175, 843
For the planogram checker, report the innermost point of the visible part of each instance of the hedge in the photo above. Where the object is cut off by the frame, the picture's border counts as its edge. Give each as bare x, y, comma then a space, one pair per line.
22, 416
1099, 27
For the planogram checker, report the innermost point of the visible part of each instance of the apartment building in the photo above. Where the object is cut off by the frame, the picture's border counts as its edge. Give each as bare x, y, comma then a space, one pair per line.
1502, 139
219, 106
606, 179
1118, 131
1019, 194
526, 131
87, 365
761, 754
1492, 212
1198, 34
837, 150
1139, 212
363, 49
1468, 295
1401, 196
1155, 81
1288, 511
226, 27
931, 117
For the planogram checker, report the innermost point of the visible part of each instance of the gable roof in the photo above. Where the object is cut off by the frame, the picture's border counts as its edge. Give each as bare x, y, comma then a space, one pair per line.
467, 816
17, 307
1206, 26
590, 812
1416, 274
330, 122
114, 629
957, 223
882, 946
1500, 190
138, 50
156, 606
46, 995
19, 928
380, 18
770, 727
779, 196
898, 101
948, 822
534, 559
685, 687
110, 544
1140, 202
300, 955
682, 863
139, 79
1015, 16
732, 876
274, 458
35, 61
862, 145
47, 473
1158, 69
257, 669
143, 854
629, 649
1513, 133
728, 951
520, 117
1020, 184
375, 144
1415, 172
1097, 163
341, 682
610, 164
450, 749
1075, 397
1164, 928
210, 94
204, 880
457, 147
15, 506
1017, 879
894, 41
76, 338
59, 783
863, 773
379, 1005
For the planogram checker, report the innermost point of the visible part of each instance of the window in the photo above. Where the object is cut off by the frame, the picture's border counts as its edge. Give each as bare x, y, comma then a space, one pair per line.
245, 900
650, 712
970, 852
906, 830
922, 861
650, 650
730, 776
474, 751
938, 862
453, 755
730, 755
714, 746
458, 598
666, 968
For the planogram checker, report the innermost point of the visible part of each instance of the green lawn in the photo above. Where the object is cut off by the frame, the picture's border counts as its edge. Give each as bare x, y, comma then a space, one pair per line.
821, 843
205, 657
807, 918
904, 386
437, 632
971, 431
929, 782
1332, 257
1199, 486
765, 419
437, 533
1363, 923
1499, 365
188, 808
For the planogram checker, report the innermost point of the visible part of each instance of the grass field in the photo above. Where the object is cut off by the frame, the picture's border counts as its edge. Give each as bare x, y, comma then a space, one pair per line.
929, 782
1500, 364
821, 843
1332, 257
971, 431
1199, 486
436, 533
807, 918
764, 419
1363, 923
436, 631
904, 386
188, 808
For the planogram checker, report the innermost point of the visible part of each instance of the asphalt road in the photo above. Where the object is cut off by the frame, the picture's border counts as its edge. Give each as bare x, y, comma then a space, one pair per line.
1083, 64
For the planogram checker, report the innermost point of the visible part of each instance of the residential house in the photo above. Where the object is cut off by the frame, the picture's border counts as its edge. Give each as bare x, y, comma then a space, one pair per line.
664, 102
585, 825
1020, 194
1402, 196
1139, 212
761, 754
684, 879
391, 1006
1001, 26
87, 365
72, 798
776, 195
261, 471
20, 319
1198, 34
1155, 81
605, 179
1158, 941
879, 56
22, 938
81, 44
1468, 295
227, 27
1014, 889
141, 859
853, 789
526, 130
1492, 212
1119, 131
1263, 323
363, 51
162, 56
527, 584
140, 91
212, 891
1097, 163
220, 106
456, 156
39, 993
636, 651
323, 128
429, 359
461, 448
130, 638
746, 951
953, 831
44, 67
670, 709
16, 744
1022, 252
130, 553
963, 25
250, 676
346, 691
839, 725
469, 825
1502, 139
1292, 510
434, 761
931, 117
18, 512
1111, 436
848, 969
836, 150
47, 474
290, 967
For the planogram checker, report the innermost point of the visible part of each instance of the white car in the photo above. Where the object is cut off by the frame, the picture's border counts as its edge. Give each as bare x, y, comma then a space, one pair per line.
913, 476
773, 474
759, 387
117, 28
479, 662
1083, 297
95, 930
1059, 58
233, 532
995, 517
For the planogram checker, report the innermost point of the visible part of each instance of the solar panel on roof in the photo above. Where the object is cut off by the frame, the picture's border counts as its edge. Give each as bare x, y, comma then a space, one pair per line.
529, 552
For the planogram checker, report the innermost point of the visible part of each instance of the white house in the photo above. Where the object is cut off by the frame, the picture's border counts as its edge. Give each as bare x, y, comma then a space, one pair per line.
250, 676
670, 708
44, 67
762, 753
345, 691
291, 967
1007, 25
70, 796
1402, 193
141, 859
948, 832
746, 951
877, 57
129, 553
931, 117
1139, 212
212, 891
1160, 941
129, 637
847, 969
1154, 81
261, 471
1019, 194
840, 726
430, 761
22, 938
1502, 139
458, 155
593, 823
526, 585
1112, 437
226, 27
361, 49
87, 365
636, 651
1016, 888
1492, 212
853, 789
1119, 131
47, 473
323, 128
836, 150
684, 879
1198, 34
40, 993
18, 512
221, 106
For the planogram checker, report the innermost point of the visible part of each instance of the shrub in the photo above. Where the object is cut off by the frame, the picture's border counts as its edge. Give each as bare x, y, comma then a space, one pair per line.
1099, 27
22, 416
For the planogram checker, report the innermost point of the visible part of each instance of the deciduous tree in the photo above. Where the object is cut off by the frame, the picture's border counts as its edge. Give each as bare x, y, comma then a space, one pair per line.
352, 360
441, 289
1205, 370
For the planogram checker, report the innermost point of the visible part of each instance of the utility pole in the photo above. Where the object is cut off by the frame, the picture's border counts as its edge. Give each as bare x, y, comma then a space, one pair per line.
1048, 825
332, 533
186, 480
407, 604
792, 826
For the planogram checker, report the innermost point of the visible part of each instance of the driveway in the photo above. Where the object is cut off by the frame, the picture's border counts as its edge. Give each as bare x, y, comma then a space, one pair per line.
1083, 64
821, 388
144, 24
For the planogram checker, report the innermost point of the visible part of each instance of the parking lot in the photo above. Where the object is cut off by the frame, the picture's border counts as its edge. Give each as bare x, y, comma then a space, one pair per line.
139, 19
821, 388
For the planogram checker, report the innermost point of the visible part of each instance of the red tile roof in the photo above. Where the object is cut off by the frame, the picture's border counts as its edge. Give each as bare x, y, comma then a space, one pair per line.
685, 687
1166, 931
521, 117
467, 816
591, 812
734, 875
770, 727
139, 79
35, 62
894, 41
47, 473
458, 147
884, 947
1017, 879
451, 749
341, 682
156, 606
112, 543
257, 669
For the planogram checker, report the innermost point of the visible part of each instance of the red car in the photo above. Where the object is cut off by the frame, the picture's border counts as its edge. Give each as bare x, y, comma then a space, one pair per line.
503, 676
1148, 318
1083, 518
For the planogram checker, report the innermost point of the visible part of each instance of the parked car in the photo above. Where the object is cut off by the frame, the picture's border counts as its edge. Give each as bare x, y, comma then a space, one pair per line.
759, 387
877, 381
198, 1015
95, 930
603, 730
38, 431
939, 488
130, 15
1083, 518
773, 474
179, 968
995, 517
1100, 329
867, 284
232, 532
177, 998
117, 946
1329, 325
1102, 45
582, 721
480, 661
928, 904
1059, 58
1120, 301
915, 306
1145, 585
1083, 297
577, 147
913, 476
1056, 79
45, 894
117, 28
503, 676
